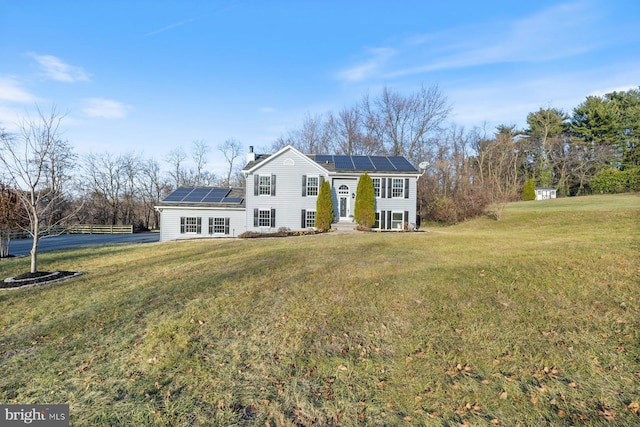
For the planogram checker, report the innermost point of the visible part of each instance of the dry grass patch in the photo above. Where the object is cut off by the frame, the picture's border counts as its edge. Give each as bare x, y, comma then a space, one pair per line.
533, 319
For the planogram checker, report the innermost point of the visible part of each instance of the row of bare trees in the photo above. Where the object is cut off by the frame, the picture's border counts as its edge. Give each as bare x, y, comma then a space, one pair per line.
391, 124
45, 185
124, 188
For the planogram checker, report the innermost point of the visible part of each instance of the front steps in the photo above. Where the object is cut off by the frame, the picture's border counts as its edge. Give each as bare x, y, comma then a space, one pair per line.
344, 226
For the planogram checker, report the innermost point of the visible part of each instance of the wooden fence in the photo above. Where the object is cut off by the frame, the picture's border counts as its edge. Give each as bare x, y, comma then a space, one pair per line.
100, 229
81, 229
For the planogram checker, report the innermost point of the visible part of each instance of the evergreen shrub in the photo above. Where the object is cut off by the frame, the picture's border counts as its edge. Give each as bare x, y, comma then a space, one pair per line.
364, 212
529, 190
324, 207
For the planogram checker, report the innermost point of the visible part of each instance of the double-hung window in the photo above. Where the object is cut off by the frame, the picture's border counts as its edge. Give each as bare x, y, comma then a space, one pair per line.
264, 186
218, 225
397, 190
313, 183
190, 224
264, 218
376, 187
311, 219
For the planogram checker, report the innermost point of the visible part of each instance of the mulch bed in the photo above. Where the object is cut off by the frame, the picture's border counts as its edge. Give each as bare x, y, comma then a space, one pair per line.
36, 279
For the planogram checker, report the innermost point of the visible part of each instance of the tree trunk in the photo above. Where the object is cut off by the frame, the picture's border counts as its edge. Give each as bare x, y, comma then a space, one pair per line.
5, 241
34, 248
34, 254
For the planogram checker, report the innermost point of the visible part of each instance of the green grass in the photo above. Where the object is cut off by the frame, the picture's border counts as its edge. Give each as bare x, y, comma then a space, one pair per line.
534, 319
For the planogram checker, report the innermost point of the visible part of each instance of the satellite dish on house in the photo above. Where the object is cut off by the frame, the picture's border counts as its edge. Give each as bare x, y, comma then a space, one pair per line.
423, 165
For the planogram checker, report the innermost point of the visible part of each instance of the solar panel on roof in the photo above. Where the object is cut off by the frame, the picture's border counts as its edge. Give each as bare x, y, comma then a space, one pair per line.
401, 163
323, 158
343, 162
382, 163
216, 195
196, 195
232, 200
362, 162
178, 194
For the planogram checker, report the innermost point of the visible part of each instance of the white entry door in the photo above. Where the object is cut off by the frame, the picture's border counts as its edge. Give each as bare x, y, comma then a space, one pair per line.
344, 205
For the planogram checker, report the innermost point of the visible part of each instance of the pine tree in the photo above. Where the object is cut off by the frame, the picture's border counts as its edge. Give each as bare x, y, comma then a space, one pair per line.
324, 207
364, 210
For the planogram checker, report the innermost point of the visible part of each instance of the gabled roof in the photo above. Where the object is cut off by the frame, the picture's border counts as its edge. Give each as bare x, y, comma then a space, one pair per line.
259, 159
207, 196
347, 164
264, 158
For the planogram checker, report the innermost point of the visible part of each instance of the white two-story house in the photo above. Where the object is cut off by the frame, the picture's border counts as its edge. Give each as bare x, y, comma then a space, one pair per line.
281, 192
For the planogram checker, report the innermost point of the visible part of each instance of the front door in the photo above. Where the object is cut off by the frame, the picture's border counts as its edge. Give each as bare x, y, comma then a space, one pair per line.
343, 202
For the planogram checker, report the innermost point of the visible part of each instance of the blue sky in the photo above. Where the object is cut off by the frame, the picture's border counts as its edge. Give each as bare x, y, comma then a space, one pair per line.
150, 76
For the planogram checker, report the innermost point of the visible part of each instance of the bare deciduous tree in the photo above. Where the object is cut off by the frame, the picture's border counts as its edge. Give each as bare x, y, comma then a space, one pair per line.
498, 161
346, 133
231, 150
153, 187
404, 124
37, 163
176, 159
199, 151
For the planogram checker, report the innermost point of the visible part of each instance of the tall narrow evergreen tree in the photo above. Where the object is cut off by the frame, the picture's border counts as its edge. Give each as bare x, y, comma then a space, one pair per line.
529, 190
364, 211
324, 207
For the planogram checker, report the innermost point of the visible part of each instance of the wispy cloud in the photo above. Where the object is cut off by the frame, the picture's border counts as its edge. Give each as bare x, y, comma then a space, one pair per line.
105, 108
58, 70
376, 59
169, 27
556, 32
11, 90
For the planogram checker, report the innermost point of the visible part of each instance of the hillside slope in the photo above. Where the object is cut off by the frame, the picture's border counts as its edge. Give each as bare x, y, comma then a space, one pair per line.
532, 319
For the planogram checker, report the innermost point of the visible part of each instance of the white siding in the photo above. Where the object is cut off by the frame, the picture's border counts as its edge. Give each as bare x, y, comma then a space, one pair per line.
289, 167
545, 193
170, 228
398, 204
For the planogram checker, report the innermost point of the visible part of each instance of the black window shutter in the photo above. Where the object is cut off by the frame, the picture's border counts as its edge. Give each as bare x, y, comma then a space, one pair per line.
226, 226
388, 220
383, 217
199, 225
182, 225
256, 183
304, 185
273, 185
210, 225
303, 219
389, 193
255, 217
383, 187
406, 219
406, 188
273, 217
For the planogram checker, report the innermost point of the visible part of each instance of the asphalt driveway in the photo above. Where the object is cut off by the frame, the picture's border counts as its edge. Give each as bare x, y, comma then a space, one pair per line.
20, 247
